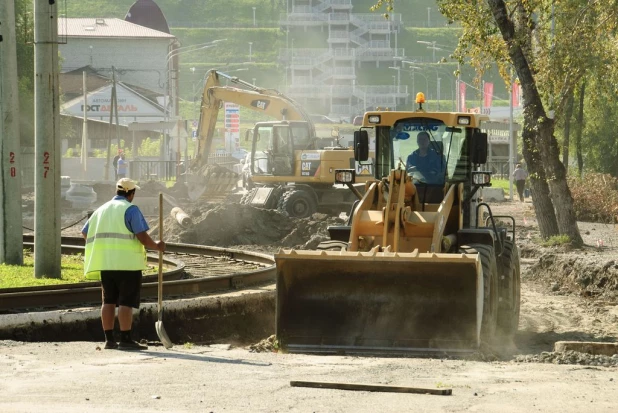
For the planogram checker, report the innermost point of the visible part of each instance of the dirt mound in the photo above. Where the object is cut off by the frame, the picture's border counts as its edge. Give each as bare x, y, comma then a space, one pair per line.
226, 225
585, 271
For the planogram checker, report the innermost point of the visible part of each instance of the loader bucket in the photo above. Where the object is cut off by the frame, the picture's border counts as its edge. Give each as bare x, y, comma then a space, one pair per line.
378, 302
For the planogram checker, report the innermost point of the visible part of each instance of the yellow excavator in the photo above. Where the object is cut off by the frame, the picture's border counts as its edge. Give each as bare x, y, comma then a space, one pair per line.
422, 266
289, 168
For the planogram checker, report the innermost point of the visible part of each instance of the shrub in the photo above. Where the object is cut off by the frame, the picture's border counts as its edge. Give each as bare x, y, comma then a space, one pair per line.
595, 197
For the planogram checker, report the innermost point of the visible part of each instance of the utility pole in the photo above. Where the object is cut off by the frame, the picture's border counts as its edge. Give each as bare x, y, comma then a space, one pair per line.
84, 152
47, 218
112, 108
11, 239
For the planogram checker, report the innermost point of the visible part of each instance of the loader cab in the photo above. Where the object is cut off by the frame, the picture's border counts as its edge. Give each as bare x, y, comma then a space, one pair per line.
455, 148
454, 141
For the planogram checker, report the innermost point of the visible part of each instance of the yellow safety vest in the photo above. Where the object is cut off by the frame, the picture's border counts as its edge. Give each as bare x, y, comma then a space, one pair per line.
109, 244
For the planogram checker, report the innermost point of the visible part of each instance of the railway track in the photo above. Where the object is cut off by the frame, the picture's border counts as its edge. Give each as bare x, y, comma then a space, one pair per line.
188, 270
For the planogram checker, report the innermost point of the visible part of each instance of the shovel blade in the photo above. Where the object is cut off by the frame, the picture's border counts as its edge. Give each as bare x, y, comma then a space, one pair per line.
167, 343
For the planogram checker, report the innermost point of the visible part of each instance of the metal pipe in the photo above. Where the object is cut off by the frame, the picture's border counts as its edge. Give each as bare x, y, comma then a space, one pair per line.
181, 216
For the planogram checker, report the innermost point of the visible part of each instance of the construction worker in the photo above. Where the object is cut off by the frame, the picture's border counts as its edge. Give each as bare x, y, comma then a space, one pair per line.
116, 237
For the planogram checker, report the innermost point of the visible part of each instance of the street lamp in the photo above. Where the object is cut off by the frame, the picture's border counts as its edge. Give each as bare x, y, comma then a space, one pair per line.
398, 69
177, 52
253, 16
411, 64
432, 47
250, 44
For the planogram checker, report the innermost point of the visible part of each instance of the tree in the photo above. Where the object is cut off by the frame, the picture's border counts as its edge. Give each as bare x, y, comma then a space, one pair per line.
551, 48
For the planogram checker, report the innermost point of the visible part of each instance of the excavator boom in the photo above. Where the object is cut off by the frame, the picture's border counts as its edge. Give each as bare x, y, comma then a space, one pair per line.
215, 180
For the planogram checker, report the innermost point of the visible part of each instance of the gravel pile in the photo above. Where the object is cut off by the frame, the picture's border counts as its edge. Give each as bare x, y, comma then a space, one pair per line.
268, 345
569, 357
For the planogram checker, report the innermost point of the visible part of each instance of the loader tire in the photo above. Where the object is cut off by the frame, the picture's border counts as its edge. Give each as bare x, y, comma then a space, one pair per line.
297, 204
246, 198
490, 289
510, 290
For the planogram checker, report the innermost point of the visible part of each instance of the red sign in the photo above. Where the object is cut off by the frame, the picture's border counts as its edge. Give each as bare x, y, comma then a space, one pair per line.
488, 92
462, 96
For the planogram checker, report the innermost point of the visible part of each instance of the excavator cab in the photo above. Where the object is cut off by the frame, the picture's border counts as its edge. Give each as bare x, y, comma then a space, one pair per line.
418, 273
272, 152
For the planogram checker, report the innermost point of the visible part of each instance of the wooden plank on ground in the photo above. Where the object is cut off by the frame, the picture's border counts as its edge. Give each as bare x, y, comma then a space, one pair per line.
370, 387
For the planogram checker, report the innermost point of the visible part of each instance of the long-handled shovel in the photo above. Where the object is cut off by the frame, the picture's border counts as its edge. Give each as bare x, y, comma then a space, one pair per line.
159, 324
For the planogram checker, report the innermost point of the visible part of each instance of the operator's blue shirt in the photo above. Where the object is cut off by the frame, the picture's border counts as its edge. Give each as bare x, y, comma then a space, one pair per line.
431, 166
133, 219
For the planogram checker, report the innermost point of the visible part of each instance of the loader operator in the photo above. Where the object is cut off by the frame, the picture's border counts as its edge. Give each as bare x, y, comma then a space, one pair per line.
426, 161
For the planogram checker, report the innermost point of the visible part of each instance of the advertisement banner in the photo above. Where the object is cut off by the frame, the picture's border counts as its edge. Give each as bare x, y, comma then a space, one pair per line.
462, 97
488, 93
516, 94
232, 127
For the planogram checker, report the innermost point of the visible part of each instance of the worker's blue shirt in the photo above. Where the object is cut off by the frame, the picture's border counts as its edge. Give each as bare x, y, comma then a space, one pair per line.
431, 166
133, 219
122, 166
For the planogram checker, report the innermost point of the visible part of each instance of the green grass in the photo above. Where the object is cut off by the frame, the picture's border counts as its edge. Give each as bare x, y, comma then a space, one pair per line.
71, 272
500, 183
556, 240
12, 276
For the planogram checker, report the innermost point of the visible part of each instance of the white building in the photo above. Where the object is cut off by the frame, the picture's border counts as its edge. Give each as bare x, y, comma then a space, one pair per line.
138, 54
326, 77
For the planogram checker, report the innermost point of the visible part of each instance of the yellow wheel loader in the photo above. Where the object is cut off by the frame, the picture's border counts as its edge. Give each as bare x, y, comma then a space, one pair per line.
289, 168
422, 266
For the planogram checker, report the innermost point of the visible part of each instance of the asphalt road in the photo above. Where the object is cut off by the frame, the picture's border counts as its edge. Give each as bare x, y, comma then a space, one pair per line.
78, 377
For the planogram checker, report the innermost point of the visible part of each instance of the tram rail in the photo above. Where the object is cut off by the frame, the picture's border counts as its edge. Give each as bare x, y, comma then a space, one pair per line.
245, 269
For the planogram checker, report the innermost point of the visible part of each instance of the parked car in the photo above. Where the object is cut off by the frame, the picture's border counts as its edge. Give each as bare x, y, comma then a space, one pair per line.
322, 119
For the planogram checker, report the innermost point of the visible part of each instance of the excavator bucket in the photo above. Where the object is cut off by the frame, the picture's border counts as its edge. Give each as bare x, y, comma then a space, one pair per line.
378, 302
211, 181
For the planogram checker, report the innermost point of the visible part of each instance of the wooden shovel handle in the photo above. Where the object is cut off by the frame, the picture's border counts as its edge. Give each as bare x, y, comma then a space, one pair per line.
160, 292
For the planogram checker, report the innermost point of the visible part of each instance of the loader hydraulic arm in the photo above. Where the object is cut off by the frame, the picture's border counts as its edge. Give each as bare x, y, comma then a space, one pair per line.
267, 101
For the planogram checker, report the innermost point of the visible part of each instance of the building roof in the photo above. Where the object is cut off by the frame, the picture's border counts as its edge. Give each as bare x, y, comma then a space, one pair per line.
107, 28
72, 84
146, 13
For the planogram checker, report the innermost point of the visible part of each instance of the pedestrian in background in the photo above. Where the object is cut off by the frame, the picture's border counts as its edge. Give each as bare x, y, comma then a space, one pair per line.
519, 176
116, 237
122, 167
115, 164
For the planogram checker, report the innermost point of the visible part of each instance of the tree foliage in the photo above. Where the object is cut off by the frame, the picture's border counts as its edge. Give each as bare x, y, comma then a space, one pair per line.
550, 46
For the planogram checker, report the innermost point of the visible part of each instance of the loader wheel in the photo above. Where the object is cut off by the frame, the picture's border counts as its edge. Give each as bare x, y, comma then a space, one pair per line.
297, 204
490, 289
246, 198
510, 290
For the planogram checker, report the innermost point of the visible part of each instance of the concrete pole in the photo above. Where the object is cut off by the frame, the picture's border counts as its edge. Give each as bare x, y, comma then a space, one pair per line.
512, 142
438, 91
11, 240
47, 142
84, 154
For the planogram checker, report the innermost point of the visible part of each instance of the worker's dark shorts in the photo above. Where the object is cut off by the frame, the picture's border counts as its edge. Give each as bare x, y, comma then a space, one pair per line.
121, 287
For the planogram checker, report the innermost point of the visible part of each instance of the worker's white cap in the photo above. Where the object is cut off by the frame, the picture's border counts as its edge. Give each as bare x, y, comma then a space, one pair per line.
126, 184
